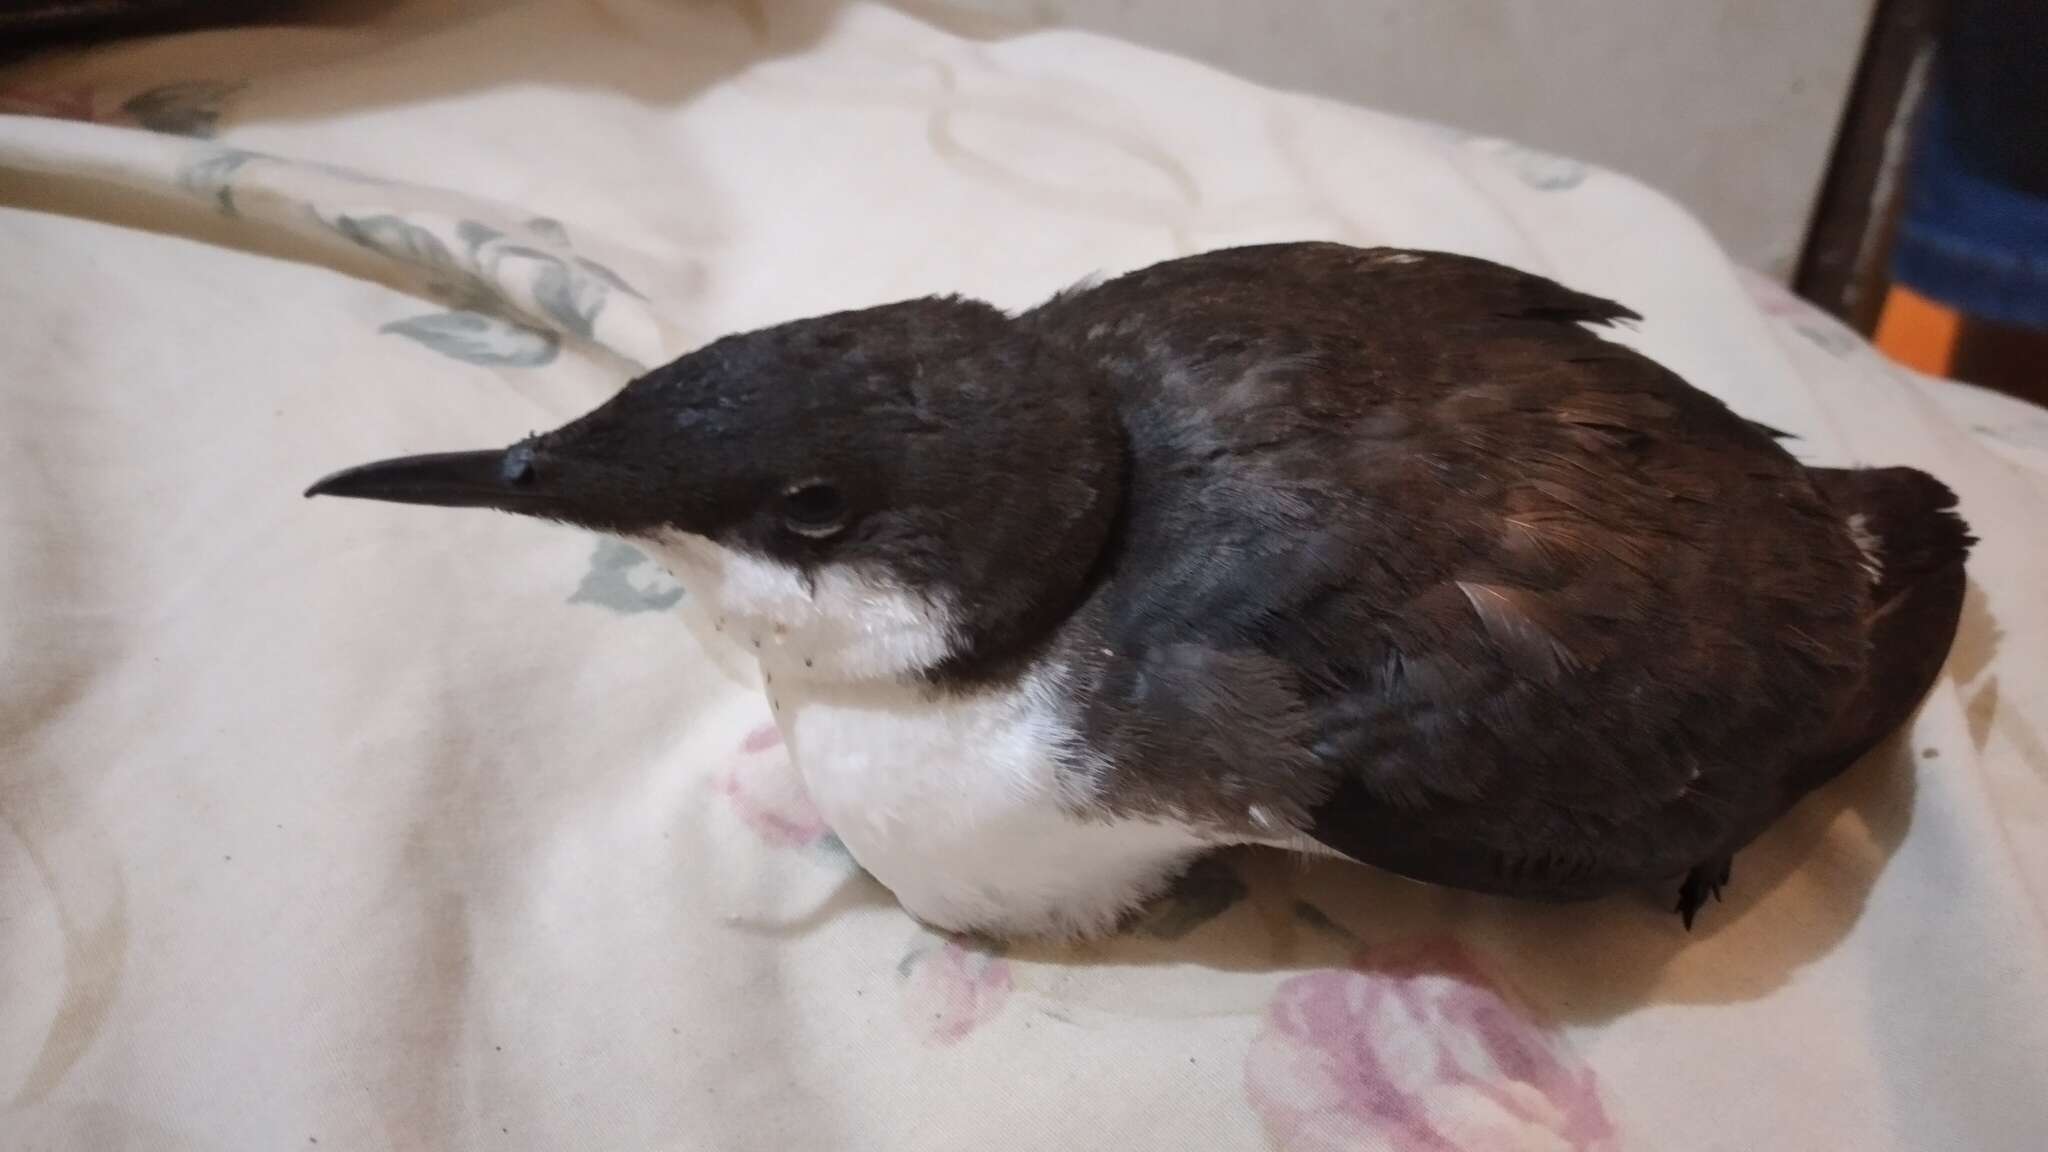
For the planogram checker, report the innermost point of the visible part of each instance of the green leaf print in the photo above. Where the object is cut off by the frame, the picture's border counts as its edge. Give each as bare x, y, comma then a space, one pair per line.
476, 338
625, 580
397, 238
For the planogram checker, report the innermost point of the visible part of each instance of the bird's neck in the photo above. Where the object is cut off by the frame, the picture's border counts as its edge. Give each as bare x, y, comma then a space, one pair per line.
1038, 574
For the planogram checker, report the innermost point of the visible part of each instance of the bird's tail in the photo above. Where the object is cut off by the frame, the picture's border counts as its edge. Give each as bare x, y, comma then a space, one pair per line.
1914, 545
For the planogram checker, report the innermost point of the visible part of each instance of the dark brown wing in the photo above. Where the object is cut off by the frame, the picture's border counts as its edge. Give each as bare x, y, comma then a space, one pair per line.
1915, 546
1561, 621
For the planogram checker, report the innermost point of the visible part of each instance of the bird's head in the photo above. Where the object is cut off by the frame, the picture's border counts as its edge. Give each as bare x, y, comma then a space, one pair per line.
866, 494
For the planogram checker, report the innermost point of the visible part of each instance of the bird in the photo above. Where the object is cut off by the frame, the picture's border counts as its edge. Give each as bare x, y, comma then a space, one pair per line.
1385, 554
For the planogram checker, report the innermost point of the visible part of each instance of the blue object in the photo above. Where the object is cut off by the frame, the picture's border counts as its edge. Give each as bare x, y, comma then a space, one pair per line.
1974, 235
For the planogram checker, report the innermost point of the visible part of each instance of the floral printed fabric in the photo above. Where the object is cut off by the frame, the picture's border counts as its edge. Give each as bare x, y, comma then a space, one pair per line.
1422, 1052
344, 826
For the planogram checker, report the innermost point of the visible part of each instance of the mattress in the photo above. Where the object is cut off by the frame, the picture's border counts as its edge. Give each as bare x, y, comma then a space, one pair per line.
346, 826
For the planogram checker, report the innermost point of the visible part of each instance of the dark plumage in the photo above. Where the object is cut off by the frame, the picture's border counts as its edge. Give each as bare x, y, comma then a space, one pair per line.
1528, 613
1388, 547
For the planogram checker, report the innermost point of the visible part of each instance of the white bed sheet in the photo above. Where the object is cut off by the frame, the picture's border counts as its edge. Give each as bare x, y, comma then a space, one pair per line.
357, 827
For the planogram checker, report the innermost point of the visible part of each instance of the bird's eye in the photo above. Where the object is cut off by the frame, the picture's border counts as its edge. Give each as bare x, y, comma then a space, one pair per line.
814, 509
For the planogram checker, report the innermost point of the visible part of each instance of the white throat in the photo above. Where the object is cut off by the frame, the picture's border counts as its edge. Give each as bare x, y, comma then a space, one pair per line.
841, 623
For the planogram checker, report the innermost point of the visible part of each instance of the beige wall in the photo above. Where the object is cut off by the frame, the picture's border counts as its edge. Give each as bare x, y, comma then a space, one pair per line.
1728, 104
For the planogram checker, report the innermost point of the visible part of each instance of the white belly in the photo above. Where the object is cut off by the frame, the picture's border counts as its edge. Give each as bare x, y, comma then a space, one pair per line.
961, 805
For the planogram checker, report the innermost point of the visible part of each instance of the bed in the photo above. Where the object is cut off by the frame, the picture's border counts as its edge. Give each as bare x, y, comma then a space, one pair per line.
348, 826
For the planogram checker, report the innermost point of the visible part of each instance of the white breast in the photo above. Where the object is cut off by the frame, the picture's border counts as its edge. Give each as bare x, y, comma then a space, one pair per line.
963, 806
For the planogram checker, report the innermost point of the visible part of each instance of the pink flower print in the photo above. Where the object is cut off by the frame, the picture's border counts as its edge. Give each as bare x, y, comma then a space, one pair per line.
769, 796
950, 989
1417, 1053
762, 739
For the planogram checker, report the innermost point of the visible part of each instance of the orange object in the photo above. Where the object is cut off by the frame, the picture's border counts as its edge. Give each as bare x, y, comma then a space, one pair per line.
1917, 332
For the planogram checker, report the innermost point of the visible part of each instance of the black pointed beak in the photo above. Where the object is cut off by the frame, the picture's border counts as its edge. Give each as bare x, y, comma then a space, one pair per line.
509, 479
